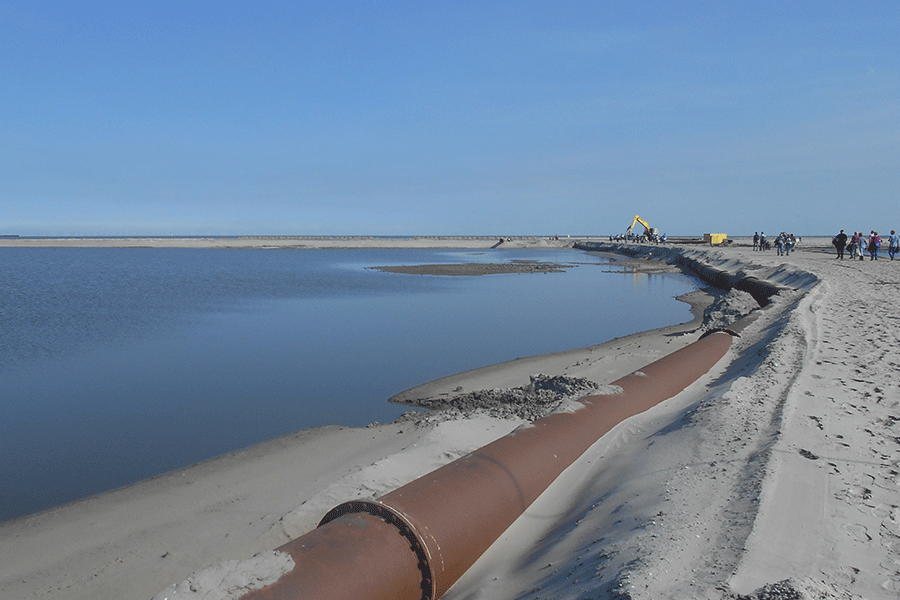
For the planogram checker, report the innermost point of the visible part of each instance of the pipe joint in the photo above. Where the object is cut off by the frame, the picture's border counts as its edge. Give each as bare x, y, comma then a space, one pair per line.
405, 528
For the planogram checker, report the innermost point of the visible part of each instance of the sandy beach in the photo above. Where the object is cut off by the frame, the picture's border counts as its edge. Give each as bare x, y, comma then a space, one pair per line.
774, 476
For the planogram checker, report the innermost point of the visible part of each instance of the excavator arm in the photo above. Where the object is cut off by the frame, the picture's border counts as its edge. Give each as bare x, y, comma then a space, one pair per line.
638, 219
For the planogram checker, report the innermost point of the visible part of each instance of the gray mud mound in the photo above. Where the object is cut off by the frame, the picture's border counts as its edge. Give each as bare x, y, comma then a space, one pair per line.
537, 399
727, 309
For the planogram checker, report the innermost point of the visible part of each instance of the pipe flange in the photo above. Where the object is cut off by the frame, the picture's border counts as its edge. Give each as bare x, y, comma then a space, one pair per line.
393, 517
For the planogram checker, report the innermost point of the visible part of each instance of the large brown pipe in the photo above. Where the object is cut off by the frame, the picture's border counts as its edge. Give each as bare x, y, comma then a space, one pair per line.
418, 540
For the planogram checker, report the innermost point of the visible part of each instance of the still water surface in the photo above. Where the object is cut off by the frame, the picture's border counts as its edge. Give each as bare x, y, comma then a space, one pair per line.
119, 364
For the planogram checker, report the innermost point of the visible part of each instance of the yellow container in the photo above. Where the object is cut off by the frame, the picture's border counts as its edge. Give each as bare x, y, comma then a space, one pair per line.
714, 238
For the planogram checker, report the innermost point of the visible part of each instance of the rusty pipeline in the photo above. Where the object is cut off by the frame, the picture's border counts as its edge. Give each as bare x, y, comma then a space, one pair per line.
416, 541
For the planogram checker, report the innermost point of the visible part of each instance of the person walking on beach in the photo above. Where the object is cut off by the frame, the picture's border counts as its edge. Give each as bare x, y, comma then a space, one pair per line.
853, 245
789, 242
756, 240
874, 244
893, 244
779, 244
839, 241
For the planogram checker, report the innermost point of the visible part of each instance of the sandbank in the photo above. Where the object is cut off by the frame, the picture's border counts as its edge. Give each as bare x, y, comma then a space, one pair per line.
780, 464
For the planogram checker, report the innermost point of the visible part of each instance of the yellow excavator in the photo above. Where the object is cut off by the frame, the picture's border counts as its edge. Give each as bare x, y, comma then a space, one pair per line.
650, 232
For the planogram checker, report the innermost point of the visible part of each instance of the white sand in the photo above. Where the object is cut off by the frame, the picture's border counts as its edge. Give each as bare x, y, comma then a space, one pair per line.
782, 463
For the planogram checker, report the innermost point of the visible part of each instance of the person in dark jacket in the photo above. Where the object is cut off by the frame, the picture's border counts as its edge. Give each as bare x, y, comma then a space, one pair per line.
840, 242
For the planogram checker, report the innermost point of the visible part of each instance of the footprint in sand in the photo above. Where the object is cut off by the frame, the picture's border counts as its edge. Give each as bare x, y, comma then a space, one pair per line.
859, 533
891, 585
846, 575
891, 483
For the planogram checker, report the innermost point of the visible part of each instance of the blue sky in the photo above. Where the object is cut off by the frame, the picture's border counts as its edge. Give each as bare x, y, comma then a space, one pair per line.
456, 117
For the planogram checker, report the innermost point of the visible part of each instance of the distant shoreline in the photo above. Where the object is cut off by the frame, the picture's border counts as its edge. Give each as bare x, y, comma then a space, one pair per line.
349, 242
297, 242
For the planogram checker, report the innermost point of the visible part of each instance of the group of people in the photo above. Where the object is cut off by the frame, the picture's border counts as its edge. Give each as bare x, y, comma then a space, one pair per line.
633, 237
858, 244
784, 242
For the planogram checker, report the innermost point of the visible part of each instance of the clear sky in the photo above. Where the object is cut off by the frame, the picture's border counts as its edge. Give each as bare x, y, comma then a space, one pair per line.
448, 117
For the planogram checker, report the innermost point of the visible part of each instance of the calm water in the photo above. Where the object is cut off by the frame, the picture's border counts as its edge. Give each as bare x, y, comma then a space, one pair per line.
120, 364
